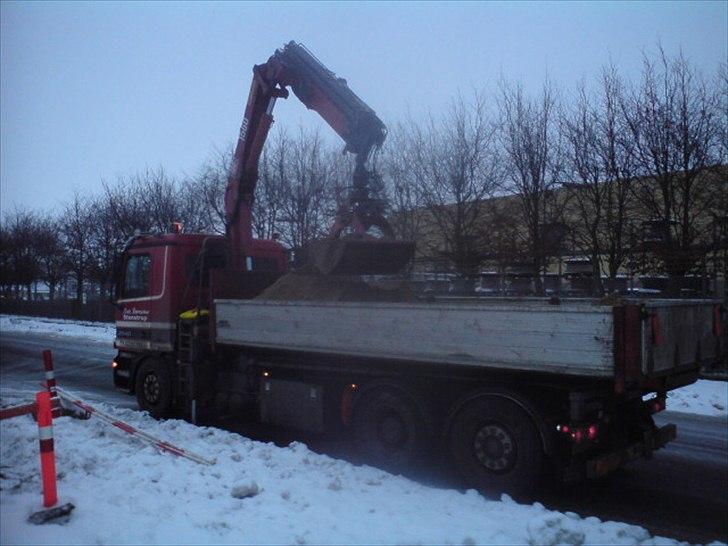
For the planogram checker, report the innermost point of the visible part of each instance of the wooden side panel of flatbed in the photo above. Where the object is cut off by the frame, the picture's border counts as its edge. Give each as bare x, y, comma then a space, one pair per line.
566, 339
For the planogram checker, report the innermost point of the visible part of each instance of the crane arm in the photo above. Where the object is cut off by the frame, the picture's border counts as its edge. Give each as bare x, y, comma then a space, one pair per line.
318, 89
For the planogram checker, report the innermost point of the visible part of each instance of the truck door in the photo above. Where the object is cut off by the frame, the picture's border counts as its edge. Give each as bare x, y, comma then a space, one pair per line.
143, 322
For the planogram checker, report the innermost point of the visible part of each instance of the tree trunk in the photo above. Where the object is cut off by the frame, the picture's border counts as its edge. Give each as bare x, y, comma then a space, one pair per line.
78, 302
537, 281
79, 288
597, 288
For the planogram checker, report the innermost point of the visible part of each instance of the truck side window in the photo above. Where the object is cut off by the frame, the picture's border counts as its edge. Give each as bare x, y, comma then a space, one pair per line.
136, 276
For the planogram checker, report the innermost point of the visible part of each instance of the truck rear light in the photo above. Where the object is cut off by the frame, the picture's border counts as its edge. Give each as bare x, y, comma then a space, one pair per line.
593, 432
579, 433
114, 364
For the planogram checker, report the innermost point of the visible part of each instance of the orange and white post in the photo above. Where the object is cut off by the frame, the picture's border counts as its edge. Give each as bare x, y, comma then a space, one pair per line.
50, 377
47, 454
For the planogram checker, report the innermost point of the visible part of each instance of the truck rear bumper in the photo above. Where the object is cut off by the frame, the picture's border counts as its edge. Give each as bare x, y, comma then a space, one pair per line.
652, 440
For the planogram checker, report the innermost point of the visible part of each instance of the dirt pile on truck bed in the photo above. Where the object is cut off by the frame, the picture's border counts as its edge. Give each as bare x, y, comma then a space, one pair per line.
309, 285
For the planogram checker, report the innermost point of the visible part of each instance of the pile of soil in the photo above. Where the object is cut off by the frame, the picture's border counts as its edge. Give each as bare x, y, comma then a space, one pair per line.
307, 284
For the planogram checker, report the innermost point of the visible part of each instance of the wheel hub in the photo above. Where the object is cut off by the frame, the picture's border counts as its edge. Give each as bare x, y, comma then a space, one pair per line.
151, 388
495, 447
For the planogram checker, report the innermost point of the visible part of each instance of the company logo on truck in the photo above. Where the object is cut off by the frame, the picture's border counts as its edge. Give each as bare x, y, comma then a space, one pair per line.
132, 313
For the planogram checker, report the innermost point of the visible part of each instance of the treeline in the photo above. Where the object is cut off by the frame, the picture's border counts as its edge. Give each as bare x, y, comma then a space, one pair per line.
496, 179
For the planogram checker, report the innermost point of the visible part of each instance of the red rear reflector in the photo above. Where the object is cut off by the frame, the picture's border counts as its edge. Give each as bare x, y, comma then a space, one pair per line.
593, 432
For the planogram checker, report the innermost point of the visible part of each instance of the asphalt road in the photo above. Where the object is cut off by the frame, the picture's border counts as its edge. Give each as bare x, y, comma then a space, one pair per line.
681, 493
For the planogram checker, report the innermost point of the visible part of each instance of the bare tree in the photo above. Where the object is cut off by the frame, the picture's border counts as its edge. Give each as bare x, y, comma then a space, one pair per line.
402, 185
456, 166
6, 266
77, 224
125, 207
51, 253
531, 139
19, 250
150, 201
588, 186
501, 233
721, 83
675, 120
599, 155
206, 190
106, 245
160, 199
306, 207
269, 194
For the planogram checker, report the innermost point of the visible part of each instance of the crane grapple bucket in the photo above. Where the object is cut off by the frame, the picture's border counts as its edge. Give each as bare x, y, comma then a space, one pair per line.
359, 255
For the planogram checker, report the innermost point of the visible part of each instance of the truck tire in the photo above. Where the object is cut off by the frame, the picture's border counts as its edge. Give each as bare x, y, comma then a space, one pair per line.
154, 388
496, 445
389, 430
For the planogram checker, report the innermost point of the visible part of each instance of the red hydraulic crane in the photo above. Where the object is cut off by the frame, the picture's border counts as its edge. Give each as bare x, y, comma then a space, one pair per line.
357, 124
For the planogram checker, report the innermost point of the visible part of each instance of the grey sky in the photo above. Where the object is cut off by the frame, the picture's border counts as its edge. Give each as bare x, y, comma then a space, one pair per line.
94, 90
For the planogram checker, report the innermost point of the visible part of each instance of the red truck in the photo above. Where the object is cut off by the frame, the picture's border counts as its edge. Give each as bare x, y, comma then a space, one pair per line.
515, 388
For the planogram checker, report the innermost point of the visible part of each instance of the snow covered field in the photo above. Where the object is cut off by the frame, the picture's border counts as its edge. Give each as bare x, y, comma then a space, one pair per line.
94, 331
128, 493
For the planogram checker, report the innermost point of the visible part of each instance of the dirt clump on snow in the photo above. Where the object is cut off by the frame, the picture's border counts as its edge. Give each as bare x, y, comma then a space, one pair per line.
308, 284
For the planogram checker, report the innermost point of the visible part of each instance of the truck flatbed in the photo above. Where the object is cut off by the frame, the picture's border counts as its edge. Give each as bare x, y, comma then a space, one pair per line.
575, 337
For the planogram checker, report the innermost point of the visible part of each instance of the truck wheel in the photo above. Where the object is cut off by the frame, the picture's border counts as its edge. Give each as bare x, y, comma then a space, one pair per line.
154, 388
389, 429
496, 446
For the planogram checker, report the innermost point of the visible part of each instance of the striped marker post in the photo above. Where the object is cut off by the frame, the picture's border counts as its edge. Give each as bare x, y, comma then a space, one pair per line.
133, 431
15, 411
50, 377
47, 455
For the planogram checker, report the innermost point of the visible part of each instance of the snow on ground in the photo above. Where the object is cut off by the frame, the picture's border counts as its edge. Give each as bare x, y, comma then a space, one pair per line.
126, 492
95, 331
704, 397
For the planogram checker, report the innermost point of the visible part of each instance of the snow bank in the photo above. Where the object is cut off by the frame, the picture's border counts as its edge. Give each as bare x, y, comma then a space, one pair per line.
704, 397
126, 492
95, 331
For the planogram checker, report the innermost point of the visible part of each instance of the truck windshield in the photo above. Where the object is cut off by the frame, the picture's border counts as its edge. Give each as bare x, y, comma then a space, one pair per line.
136, 276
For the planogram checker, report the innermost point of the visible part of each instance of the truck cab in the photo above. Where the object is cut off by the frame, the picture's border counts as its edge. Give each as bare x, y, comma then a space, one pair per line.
163, 275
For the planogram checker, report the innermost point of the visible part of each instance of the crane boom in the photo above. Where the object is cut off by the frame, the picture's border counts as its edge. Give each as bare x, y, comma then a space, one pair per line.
318, 89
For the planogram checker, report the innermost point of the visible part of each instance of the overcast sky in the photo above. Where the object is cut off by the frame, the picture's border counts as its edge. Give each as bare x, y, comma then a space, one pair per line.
90, 91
